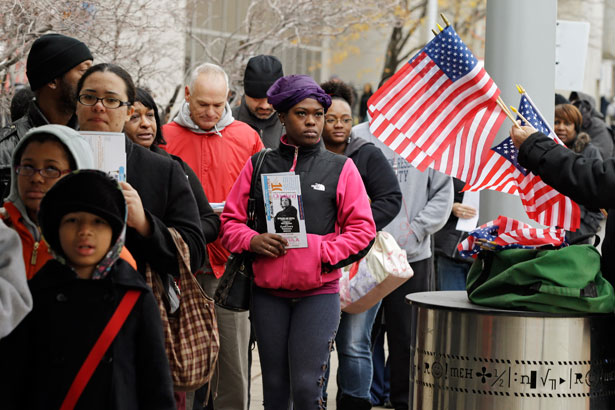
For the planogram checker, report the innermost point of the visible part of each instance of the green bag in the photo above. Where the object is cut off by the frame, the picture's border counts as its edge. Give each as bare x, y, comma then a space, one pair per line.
565, 280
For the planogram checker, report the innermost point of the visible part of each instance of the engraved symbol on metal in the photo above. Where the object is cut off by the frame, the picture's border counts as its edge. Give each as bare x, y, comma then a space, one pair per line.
437, 370
479, 375
483, 375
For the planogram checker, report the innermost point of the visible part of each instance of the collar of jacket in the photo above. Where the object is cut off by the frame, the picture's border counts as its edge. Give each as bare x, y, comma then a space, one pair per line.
37, 118
288, 150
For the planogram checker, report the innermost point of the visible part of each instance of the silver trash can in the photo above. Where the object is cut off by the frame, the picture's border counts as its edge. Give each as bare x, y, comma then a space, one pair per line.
464, 356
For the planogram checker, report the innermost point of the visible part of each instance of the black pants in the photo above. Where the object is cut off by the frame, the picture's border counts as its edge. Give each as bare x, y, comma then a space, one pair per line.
397, 318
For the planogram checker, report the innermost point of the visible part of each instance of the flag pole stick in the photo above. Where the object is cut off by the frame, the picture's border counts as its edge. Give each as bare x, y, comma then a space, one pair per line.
445, 20
520, 115
522, 91
507, 111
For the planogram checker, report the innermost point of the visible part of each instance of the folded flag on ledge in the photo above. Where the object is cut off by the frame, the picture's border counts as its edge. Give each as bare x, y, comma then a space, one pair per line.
501, 172
441, 102
507, 233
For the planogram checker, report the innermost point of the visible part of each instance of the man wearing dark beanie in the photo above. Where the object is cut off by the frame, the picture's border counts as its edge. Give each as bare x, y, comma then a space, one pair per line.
261, 72
54, 66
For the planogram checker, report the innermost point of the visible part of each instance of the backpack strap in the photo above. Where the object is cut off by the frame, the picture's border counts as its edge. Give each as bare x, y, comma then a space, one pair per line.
251, 209
100, 348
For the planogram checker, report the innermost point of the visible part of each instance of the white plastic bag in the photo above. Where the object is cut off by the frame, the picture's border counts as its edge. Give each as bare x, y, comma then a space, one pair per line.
384, 269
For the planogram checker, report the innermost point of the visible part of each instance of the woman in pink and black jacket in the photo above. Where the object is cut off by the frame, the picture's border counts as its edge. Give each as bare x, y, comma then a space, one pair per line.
295, 306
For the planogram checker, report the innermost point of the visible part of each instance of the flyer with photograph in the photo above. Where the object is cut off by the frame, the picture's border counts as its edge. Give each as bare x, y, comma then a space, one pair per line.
284, 207
109, 152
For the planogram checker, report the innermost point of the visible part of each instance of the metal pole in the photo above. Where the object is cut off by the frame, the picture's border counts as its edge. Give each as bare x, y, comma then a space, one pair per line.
430, 20
519, 49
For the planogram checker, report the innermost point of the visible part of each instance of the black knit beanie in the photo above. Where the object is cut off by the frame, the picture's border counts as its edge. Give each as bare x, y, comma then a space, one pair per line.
51, 56
261, 72
85, 190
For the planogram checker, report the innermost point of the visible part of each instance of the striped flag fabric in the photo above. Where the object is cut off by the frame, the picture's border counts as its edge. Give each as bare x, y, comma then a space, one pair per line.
500, 171
508, 233
435, 105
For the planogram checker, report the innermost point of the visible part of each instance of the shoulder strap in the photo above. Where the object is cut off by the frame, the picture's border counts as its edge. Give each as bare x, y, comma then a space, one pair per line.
100, 347
253, 183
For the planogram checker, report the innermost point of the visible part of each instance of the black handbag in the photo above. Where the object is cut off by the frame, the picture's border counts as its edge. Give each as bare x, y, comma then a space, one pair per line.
235, 287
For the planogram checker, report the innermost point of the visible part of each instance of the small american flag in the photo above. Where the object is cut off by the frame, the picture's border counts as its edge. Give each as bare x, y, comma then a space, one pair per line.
500, 171
434, 101
508, 233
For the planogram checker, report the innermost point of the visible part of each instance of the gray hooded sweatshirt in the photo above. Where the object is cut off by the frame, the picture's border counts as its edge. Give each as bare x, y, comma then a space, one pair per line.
78, 147
426, 204
15, 297
183, 119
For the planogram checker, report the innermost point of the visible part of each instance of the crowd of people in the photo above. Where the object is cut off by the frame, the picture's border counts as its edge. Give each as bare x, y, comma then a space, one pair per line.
76, 243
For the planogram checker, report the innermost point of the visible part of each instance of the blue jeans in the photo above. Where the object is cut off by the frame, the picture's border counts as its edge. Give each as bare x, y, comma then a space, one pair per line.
294, 337
354, 351
451, 274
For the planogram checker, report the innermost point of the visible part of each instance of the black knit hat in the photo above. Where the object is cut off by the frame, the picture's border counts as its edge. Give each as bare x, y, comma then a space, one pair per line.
261, 72
51, 56
85, 190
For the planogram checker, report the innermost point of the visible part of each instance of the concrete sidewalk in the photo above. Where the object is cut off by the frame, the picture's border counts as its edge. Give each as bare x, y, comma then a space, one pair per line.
256, 390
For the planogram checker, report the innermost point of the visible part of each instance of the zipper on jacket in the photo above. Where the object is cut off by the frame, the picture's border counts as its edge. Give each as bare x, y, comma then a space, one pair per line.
295, 159
34, 253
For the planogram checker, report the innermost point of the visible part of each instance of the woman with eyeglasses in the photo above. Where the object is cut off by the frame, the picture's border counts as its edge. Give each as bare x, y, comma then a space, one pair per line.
41, 158
353, 340
157, 193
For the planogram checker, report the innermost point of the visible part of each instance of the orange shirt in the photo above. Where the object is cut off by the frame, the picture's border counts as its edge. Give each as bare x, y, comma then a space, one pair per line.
217, 159
36, 253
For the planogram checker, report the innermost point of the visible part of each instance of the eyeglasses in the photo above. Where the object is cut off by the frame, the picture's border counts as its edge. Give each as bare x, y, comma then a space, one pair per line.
108, 102
333, 120
49, 172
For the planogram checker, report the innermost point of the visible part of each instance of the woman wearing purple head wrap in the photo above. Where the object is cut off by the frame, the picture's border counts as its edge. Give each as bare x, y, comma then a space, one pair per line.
295, 304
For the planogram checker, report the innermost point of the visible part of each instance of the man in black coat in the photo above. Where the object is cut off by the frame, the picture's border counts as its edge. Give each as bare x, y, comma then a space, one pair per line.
54, 66
588, 181
261, 72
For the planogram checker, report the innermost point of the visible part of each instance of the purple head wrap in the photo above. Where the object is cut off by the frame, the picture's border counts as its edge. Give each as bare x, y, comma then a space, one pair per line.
292, 89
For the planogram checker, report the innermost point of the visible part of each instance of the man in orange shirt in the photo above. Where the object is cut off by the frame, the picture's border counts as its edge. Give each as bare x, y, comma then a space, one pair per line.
216, 146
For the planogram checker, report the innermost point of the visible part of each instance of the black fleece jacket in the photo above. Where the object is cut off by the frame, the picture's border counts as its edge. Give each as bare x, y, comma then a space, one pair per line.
379, 179
588, 181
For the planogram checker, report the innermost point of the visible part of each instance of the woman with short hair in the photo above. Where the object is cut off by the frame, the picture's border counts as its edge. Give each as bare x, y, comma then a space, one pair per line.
567, 127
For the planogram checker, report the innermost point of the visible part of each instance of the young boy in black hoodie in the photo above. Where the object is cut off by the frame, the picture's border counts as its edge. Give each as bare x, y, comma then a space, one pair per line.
83, 218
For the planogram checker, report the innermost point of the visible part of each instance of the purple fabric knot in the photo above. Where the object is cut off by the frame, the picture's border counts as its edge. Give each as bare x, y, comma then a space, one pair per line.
292, 89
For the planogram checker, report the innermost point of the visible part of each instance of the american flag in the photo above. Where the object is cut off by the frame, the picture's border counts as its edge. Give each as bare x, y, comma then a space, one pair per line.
508, 233
500, 171
442, 102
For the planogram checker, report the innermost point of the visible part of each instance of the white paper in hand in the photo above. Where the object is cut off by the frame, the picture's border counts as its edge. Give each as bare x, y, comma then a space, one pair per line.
472, 199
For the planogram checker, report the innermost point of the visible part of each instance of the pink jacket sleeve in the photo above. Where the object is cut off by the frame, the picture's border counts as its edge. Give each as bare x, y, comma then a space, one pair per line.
234, 232
354, 220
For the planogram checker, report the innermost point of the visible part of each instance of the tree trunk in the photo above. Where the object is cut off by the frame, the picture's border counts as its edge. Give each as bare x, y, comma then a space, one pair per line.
391, 59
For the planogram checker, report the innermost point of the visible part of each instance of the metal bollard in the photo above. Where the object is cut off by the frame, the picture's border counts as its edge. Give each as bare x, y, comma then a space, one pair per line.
465, 356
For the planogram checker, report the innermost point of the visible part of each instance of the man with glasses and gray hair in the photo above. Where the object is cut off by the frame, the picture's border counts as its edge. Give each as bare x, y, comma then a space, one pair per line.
54, 66
216, 146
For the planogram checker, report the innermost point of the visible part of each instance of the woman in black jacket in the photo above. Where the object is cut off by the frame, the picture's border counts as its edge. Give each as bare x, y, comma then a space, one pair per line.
144, 128
157, 191
567, 127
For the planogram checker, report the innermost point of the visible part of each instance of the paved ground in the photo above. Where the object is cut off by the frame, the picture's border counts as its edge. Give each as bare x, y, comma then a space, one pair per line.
257, 385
